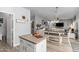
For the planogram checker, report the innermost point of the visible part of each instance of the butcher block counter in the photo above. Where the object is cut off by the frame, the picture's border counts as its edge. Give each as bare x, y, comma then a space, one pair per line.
30, 43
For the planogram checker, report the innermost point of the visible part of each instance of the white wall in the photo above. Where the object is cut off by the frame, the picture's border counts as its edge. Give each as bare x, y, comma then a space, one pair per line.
19, 28
77, 21
38, 20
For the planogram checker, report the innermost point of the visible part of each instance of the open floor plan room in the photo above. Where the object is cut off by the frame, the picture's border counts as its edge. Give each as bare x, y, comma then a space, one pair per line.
39, 29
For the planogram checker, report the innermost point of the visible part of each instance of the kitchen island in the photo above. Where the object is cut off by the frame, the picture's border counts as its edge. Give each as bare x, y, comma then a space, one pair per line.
29, 43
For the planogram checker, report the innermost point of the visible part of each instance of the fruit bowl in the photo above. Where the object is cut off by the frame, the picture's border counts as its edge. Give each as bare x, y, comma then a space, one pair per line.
37, 35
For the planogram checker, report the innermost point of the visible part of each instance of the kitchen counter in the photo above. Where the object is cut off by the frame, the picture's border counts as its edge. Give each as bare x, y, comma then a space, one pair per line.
32, 39
30, 43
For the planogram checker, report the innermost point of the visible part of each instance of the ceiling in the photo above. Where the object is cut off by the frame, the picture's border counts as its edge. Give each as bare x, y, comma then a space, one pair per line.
50, 12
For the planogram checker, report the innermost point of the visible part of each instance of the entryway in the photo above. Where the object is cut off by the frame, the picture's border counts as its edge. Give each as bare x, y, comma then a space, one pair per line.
6, 30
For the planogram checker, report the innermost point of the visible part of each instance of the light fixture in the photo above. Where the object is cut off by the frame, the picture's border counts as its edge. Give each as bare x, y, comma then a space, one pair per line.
56, 16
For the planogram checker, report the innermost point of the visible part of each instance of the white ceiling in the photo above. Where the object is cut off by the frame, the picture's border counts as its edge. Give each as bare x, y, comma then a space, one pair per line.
50, 12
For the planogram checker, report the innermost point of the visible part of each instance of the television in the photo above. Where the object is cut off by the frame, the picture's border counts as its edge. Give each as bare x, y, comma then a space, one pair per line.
60, 24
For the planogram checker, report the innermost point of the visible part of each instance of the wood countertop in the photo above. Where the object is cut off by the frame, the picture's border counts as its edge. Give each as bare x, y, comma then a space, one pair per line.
32, 39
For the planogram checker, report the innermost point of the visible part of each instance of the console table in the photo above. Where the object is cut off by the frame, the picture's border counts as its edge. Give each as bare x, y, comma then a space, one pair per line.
56, 32
60, 33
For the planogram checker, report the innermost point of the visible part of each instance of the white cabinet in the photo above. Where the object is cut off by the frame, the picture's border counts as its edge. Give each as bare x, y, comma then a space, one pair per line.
27, 46
71, 35
41, 47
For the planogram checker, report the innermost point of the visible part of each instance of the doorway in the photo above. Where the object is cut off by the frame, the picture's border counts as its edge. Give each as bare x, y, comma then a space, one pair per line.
6, 28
